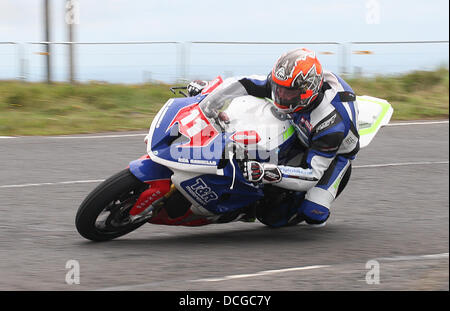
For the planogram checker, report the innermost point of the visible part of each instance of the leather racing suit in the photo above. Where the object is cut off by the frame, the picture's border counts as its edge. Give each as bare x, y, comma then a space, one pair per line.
328, 131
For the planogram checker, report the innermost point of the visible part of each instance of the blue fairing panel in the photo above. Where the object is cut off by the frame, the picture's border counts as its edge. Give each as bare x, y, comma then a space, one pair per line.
147, 170
168, 144
162, 135
213, 192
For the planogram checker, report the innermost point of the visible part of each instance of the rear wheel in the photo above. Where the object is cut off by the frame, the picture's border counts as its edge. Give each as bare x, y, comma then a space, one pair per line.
104, 214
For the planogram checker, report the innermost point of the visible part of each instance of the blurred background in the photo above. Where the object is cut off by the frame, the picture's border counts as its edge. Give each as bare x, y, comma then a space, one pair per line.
64, 63
143, 41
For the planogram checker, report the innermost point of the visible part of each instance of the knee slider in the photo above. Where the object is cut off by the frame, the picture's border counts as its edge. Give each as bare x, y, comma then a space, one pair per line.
314, 213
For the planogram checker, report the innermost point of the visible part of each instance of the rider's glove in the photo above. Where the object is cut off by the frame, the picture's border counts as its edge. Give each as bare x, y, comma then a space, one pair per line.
195, 87
267, 173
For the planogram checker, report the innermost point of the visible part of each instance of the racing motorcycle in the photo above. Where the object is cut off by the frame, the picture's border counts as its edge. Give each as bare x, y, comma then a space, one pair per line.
191, 174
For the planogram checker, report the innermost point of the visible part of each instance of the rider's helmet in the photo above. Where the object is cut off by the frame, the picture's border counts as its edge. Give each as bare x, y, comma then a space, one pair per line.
296, 80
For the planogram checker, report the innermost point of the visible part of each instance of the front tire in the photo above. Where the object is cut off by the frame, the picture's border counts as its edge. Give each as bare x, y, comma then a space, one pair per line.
104, 214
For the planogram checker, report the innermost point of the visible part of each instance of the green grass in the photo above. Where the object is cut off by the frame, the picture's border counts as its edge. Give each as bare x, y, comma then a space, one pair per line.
416, 95
41, 109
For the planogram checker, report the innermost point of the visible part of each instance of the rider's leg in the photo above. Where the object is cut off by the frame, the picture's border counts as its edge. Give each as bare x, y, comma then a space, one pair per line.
279, 207
315, 209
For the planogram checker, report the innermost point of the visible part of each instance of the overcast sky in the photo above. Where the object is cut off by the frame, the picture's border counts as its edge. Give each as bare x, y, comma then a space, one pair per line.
249, 20
231, 20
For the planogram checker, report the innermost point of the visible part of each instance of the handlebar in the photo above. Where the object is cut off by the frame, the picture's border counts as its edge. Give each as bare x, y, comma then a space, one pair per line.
179, 92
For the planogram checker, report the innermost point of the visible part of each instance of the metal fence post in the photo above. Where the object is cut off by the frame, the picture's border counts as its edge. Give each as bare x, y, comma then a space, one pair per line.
344, 59
181, 64
22, 61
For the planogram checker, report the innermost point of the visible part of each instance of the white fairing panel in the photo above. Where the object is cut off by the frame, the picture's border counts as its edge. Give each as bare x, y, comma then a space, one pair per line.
249, 113
374, 113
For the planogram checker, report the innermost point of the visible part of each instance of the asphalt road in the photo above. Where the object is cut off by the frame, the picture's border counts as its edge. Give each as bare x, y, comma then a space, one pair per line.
395, 212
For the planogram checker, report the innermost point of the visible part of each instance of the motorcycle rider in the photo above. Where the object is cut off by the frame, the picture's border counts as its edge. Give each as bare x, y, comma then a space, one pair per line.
321, 106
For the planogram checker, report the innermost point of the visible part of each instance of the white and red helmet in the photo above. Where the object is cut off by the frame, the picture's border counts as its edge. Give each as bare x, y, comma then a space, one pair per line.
296, 80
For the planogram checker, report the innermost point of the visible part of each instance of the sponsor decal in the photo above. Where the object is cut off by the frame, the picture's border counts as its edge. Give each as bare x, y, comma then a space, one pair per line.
281, 73
350, 140
326, 123
201, 192
306, 123
317, 212
295, 171
195, 161
193, 124
246, 137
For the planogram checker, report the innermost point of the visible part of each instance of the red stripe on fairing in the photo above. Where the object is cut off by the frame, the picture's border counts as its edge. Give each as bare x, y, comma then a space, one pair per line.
212, 85
157, 189
246, 137
195, 125
189, 219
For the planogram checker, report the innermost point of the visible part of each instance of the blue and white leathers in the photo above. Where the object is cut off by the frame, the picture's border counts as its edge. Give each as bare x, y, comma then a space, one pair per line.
329, 133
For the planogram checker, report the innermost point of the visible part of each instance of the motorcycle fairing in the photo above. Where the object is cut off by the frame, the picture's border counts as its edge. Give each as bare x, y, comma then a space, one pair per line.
146, 170
374, 113
165, 139
222, 194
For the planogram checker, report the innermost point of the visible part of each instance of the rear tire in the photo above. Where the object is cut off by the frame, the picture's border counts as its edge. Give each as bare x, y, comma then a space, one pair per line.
112, 199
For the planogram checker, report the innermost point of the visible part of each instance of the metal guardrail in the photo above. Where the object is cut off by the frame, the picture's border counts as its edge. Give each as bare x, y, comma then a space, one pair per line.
340, 55
399, 42
15, 44
343, 51
373, 52
106, 43
117, 43
263, 43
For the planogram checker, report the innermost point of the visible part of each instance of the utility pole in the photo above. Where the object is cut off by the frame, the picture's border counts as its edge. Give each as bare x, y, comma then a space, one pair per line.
47, 40
71, 18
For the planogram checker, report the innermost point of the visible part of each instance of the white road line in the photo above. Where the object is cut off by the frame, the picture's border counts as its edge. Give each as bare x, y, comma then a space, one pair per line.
53, 183
144, 134
417, 257
261, 273
268, 272
78, 137
96, 136
399, 164
416, 123
100, 180
230, 277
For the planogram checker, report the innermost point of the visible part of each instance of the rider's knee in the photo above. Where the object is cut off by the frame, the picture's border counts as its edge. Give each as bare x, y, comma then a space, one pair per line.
314, 213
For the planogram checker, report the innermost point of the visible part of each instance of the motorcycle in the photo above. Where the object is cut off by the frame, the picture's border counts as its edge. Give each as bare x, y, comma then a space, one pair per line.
191, 173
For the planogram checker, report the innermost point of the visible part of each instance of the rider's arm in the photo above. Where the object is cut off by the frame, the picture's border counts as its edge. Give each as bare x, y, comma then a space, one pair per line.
258, 86
216, 99
252, 85
325, 143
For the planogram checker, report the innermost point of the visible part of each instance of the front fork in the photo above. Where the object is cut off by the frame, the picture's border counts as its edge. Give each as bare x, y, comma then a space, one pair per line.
158, 179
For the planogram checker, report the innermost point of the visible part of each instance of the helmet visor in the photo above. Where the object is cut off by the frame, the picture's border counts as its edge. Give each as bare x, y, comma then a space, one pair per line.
290, 98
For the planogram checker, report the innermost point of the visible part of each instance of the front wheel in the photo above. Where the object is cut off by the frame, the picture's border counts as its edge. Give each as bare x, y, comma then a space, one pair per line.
104, 214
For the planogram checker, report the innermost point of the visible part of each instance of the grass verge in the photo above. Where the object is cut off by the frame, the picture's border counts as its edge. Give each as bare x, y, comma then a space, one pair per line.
60, 108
